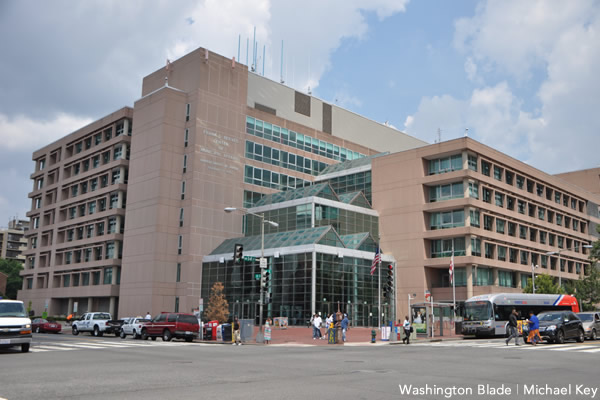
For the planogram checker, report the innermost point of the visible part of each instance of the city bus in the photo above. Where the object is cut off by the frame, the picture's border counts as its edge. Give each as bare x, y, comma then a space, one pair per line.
487, 315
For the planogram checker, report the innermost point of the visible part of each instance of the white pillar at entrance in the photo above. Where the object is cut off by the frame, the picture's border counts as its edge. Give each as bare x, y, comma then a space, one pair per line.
518, 278
495, 273
90, 304
111, 306
70, 306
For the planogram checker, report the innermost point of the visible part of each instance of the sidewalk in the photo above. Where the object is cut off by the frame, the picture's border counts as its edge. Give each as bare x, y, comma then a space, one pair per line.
355, 336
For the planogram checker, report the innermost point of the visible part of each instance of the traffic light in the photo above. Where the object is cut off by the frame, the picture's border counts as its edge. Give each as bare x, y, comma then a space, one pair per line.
388, 285
265, 276
238, 254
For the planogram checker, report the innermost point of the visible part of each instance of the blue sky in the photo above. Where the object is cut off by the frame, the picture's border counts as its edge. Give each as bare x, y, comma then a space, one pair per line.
521, 75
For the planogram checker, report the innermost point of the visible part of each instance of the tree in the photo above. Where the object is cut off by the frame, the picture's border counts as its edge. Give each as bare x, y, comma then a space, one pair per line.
544, 283
218, 308
14, 282
588, 289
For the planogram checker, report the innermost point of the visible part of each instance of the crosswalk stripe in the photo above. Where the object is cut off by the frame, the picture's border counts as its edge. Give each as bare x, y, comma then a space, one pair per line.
572, 348
49, 348
596, 350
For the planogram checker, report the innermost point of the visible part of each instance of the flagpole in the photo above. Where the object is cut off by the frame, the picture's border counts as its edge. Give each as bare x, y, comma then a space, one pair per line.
453, 286
379, 291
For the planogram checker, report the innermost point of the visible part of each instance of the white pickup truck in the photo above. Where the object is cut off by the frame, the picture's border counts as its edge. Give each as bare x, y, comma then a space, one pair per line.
93, 322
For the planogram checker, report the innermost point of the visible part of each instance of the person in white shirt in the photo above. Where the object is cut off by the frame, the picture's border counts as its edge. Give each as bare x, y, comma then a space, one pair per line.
148, 316
316, 327
407, 328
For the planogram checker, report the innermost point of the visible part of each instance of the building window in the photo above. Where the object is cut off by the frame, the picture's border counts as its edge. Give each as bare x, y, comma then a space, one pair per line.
489, 250
524, 257
498, 173
542, 213
512, 255
499, 199
521, 206
102, 204
443, 247
509, 176
181, 217
561, 242
182, 190
501, 253
510, 203
520, 181
108, 272
551, 239
178, 275
446, 164
112, 225
559, 219
506, 279
530, 185
179, 244
575, 225
512, 229
85, 279
92, 207
472, 162
110, 250
539, 189
474, 190
533, 234
500, 225
186, 138
445, 220
38, 202
476, 247
483, 276
474, 217
187, 112
96, 277
522, 232
557, 197
485, 168
488, 222
184, 163
66, 280
487, 195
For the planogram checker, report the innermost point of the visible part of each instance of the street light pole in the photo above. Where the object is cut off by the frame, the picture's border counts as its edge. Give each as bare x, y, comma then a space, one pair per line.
551, 253
259, 335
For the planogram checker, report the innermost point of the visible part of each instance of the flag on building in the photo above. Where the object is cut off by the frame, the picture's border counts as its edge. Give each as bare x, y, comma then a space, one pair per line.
451, 269
376, 260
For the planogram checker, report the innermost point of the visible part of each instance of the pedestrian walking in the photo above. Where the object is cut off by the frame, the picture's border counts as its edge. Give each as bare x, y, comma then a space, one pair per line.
345, 323
534, 329
236, 332
267, 335
316, 327
407, 330
69, 319
512, 327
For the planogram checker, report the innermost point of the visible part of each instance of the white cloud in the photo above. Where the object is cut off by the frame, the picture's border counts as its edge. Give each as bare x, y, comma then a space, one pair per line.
554, 43
23, 133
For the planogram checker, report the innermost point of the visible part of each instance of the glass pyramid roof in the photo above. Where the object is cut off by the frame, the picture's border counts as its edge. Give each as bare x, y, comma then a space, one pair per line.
325, 235
320, 190
355, 199
360, 241
350, 164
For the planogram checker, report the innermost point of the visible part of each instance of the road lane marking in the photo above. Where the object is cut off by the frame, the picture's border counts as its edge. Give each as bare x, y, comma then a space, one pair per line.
575, 347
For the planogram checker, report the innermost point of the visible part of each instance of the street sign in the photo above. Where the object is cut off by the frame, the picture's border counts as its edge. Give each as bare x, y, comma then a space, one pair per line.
263, 263
427, 295
257, 277
249, 258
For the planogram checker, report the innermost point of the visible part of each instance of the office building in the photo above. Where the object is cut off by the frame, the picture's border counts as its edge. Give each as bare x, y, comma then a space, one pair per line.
12, 240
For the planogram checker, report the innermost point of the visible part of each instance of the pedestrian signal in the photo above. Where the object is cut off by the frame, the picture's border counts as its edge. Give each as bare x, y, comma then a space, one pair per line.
238, 253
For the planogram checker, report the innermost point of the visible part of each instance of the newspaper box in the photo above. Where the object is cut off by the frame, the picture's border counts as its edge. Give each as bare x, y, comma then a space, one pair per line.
210, 330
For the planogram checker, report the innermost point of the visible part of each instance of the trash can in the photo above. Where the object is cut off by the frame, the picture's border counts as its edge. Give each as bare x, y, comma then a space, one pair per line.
458, 327
226, 334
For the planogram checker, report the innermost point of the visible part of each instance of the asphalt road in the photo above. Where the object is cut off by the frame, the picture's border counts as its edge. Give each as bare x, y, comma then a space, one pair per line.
82, 367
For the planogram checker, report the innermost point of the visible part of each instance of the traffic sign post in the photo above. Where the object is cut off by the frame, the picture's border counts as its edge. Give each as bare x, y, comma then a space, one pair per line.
263, 263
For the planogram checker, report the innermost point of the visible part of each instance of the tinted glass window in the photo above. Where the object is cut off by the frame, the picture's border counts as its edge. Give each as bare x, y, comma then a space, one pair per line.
188, 319
172, 318
161, 318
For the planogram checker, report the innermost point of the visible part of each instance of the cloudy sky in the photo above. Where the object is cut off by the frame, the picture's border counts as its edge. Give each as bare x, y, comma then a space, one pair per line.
518, 74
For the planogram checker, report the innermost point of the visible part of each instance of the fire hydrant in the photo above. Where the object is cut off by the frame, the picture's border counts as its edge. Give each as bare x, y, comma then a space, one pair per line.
373, 335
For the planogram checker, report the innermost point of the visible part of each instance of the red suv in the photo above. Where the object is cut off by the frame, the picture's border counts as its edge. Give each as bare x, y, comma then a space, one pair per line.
172, 325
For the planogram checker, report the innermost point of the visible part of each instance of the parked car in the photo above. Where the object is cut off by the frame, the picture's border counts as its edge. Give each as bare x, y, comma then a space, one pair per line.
591, 323
115, 326
133, 327
558, 326
16, 325
93, 322
172, 325
39, 325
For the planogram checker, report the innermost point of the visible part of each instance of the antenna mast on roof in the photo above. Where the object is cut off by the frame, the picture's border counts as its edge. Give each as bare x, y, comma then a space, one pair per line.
281, 66
439, 136
466, 132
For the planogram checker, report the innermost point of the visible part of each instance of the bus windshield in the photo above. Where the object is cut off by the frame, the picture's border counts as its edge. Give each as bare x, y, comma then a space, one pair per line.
478, 310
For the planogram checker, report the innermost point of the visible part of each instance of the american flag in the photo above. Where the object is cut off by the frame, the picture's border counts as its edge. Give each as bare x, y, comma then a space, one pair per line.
376, 260
451, 269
